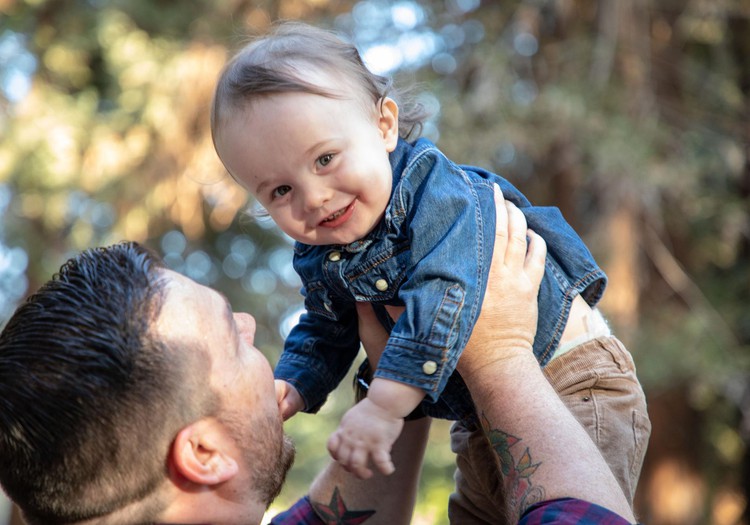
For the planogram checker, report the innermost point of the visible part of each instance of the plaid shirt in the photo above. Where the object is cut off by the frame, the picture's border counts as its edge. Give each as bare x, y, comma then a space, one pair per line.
565, 511
301, 513
569, 511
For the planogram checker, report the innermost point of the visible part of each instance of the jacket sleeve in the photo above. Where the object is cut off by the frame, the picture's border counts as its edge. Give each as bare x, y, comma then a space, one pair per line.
318, 353
450, 250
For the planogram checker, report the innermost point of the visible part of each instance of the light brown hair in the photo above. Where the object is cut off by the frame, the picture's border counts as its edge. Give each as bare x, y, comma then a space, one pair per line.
283, 61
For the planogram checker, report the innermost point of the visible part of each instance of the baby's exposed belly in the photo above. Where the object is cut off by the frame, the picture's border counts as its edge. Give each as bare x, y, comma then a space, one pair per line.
584, 324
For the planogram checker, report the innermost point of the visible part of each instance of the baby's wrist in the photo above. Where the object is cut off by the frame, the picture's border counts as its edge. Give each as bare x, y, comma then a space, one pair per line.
381, 410
362, 382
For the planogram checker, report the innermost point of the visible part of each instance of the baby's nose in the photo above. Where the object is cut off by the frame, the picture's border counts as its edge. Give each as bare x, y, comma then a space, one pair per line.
316, 197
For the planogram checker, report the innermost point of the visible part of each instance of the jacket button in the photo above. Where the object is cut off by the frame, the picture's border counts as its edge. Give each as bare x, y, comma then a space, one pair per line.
334, 256
381, 284
429, 367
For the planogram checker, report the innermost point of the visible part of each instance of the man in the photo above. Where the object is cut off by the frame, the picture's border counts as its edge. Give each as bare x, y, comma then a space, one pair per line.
129, 394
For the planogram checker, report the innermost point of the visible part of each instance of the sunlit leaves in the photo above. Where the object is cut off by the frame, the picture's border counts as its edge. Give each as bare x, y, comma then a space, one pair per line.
104, 136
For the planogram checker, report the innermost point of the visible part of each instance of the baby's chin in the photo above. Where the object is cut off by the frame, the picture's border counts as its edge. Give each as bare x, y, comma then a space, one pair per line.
332, 239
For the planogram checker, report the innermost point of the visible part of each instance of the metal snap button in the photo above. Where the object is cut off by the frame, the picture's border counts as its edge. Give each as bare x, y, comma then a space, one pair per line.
429, 367
334, 256
381, 284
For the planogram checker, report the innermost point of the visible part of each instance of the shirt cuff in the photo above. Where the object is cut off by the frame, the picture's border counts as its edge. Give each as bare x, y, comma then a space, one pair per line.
301, 513
570, 511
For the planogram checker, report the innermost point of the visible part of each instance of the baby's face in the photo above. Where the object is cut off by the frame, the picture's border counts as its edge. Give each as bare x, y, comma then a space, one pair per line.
318, 165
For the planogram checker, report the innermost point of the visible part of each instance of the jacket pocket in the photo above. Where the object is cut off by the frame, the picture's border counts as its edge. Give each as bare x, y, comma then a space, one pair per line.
318, 301
379, 278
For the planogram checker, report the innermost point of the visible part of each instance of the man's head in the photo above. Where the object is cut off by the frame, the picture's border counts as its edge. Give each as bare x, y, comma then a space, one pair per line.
117, 397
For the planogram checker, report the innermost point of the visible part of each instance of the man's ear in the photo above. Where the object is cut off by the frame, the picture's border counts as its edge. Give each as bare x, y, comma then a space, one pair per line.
203, 453
388, 122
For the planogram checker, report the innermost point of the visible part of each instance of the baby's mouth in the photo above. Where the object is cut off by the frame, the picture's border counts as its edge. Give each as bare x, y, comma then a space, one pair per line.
338, 217
335, 215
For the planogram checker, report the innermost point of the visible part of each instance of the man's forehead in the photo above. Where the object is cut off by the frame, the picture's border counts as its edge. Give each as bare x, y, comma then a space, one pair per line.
185, 302
192, 307
178, 284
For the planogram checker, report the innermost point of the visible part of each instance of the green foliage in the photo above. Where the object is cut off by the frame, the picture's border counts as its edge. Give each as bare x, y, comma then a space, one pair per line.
607, 112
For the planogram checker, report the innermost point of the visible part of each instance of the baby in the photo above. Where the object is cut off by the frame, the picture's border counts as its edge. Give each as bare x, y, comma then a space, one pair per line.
320, 142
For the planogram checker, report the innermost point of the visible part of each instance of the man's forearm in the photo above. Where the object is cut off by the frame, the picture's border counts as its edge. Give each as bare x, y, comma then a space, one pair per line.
543, 453
340, 498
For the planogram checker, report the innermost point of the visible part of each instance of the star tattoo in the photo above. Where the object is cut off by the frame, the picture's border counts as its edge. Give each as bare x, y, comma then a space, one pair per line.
336, 513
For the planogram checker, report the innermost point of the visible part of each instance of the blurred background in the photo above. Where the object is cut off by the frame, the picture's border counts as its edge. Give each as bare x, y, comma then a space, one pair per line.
632, 117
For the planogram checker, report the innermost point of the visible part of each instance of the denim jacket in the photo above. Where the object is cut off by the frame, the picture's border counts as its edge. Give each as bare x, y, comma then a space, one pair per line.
431, 254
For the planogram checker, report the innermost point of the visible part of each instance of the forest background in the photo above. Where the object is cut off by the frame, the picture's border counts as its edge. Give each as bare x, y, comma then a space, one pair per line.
632, 117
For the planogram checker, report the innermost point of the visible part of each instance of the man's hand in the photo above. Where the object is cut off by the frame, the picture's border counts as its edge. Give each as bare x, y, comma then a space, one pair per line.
288, 399
509, 310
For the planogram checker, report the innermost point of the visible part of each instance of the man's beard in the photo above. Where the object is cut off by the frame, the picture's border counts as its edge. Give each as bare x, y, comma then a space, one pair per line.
269, 481
267, 451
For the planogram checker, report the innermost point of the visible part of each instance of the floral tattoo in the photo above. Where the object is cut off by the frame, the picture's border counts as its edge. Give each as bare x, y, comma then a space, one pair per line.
516, 473
336, 513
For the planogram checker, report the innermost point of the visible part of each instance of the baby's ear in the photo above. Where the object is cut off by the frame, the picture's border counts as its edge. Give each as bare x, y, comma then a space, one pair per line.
388, 122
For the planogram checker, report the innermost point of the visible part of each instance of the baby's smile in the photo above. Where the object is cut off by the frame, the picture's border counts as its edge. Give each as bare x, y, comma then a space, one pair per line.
334, 215
338, 217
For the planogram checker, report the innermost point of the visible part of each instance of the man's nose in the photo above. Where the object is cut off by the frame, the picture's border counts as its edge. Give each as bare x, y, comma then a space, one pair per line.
245, 326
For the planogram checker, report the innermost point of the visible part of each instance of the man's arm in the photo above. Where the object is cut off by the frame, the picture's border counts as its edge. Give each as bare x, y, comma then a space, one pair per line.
381, 499
543, 452
337, 497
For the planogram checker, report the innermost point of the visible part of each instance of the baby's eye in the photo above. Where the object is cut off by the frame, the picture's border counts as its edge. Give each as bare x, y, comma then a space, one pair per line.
325, 160
281, 191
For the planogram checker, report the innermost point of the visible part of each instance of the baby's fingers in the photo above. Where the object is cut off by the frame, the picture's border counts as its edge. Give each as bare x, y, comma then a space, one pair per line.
383, 462
333, 445
288, 398
358, 463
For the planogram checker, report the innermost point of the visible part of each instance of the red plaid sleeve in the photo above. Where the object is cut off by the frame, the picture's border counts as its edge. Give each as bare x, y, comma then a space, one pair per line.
566, 511
301, 513
569, 511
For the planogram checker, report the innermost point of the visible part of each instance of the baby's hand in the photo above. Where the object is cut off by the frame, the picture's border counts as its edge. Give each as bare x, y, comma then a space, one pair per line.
289, 400
366, 433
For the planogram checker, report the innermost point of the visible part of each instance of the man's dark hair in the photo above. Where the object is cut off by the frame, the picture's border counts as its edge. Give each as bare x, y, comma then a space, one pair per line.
87, 395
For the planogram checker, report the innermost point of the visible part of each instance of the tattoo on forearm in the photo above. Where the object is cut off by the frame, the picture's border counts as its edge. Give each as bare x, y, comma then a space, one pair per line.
516, 467
336, 513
